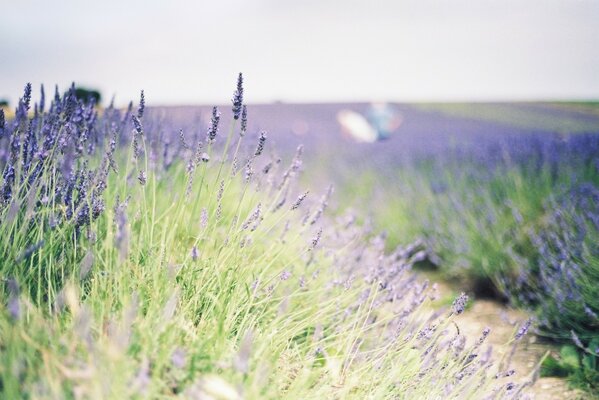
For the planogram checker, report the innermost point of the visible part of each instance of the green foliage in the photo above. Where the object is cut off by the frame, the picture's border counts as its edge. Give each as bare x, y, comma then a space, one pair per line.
86, 94
582, 368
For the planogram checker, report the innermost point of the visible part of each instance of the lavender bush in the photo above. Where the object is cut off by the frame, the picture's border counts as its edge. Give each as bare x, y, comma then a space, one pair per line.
144, 261
517, 219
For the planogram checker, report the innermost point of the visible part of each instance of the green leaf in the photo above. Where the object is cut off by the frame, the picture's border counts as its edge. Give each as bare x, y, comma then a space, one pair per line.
552, 367
569, 357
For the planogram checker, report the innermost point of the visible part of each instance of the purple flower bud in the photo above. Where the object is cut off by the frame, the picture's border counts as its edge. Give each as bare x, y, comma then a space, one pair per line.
213, 130
285, 275
142, 105
137, 125
523, 329
27, 96
194, 253
2, 122
459, 304
238, 98
142, 177
204, 218
261, 142
299, 200
576, 340
316, 239
244, 120
42, 99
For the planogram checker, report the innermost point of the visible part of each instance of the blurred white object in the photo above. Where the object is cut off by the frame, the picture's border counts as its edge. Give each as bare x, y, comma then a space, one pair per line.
384, 118
357, 126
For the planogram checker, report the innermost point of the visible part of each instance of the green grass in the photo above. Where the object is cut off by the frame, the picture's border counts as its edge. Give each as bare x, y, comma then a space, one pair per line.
186, 290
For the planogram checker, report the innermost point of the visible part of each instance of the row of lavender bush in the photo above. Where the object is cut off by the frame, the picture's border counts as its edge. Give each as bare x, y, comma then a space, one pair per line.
517, 218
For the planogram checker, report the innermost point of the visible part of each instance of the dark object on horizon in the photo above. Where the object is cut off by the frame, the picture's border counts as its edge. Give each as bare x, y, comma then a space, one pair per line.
86, 94
4, 103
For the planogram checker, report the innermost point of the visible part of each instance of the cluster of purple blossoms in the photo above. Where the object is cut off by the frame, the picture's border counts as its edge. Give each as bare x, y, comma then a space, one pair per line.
60, 139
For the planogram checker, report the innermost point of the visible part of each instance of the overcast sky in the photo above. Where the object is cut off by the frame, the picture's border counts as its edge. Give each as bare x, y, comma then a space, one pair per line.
184, 52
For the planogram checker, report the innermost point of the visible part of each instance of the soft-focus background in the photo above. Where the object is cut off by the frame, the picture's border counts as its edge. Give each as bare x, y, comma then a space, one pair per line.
185, 52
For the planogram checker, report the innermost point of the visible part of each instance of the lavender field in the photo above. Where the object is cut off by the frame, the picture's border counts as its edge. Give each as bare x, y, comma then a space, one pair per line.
314, 200
185, 252
499, 198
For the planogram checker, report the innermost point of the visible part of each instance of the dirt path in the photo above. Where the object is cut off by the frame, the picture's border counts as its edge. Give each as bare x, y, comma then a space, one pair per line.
503, 322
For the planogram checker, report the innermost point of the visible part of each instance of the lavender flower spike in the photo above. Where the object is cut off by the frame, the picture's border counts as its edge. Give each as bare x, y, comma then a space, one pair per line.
137, 125
576, 340
238, 97
299, 200
42, 99
142, 178
261, 142
459, 304
213, 130
142, 105
27, 96
523, 329
244, 120
2, 122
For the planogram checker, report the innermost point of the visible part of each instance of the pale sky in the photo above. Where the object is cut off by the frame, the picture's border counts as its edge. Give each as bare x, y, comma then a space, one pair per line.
186, 52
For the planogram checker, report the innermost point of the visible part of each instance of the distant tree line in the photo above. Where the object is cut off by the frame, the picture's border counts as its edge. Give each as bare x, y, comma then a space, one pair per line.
87, 94
82, 93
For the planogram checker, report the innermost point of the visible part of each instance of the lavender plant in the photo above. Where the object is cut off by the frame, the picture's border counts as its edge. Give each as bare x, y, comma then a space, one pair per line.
138, 265
517, 220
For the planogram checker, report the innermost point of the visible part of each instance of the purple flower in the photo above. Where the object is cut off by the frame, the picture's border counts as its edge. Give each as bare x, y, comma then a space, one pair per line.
2, 122
244, 119
238, 98
42, 99
142, 105
523, 329
459, 304
213, 130
137, 124
285, 275
261, 142
142, 177
299, 200
576, 340
204, 218
27, 96
316, 239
